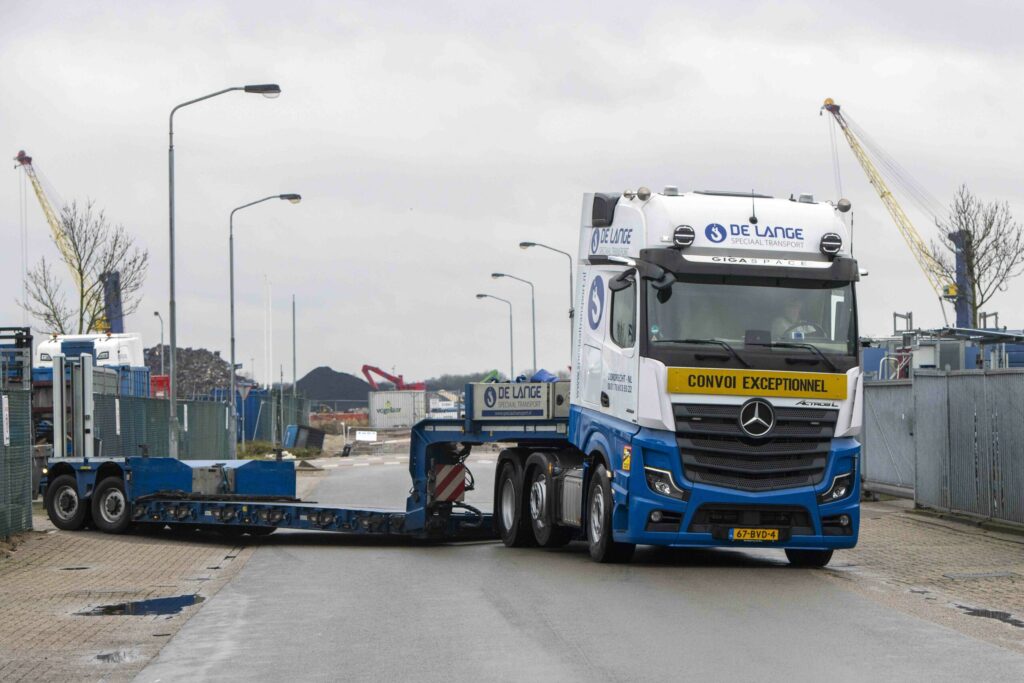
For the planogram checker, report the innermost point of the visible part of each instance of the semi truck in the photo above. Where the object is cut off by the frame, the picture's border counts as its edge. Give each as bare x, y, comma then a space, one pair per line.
715, 400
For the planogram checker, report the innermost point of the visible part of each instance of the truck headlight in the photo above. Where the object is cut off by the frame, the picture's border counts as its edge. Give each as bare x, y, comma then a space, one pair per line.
842, 486
660, 481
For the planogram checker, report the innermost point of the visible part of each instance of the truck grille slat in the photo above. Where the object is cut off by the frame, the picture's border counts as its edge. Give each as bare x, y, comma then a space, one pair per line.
715, 450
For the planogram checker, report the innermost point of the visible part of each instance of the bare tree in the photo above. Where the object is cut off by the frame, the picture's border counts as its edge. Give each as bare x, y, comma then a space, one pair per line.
992, 242
89, 247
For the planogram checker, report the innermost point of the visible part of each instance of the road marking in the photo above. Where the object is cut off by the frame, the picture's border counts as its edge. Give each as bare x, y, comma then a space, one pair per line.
360, 464
395, 462
485, 462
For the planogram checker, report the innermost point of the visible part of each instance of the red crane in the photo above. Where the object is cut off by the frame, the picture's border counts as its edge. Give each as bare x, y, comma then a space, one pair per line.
397, 380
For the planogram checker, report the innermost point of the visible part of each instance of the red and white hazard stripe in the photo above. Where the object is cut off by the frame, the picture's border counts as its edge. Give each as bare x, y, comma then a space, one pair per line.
449, 483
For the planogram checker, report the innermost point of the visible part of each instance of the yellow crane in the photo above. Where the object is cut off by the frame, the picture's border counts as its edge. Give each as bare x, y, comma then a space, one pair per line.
59, 237
933, 271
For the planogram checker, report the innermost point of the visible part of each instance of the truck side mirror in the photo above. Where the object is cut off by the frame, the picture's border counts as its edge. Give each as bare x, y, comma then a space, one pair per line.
623, 280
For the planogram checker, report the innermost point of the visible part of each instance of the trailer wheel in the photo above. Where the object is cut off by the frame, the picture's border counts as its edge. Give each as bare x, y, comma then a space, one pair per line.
508, 509
110, 506
63, 506
599, 522
548, 535
808, 558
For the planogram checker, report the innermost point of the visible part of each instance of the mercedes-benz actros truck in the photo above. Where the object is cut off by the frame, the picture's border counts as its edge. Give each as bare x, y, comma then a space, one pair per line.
715, 399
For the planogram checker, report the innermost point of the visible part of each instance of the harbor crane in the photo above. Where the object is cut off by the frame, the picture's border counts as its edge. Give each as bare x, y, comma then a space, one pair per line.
113, 319
864, 150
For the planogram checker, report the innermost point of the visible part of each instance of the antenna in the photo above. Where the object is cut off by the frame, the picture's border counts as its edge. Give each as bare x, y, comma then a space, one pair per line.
753, 209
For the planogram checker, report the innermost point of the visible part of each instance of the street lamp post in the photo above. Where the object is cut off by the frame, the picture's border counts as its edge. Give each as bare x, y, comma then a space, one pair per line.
294, 199
270, 90
533, 312
527, 245
511, 357
161, 319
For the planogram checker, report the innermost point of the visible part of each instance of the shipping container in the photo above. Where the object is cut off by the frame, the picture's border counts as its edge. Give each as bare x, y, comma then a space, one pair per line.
160, 386
393, 409
134, 381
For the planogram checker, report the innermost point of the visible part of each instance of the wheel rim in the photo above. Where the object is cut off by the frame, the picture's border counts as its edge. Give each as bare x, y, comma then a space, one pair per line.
112, 506
538, 499
65, 503
597, 514
508, 504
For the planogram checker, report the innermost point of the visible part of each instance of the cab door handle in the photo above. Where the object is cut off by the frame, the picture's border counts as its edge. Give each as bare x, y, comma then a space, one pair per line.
605, 401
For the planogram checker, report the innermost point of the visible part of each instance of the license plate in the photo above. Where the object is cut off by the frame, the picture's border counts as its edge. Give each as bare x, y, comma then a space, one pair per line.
753, 534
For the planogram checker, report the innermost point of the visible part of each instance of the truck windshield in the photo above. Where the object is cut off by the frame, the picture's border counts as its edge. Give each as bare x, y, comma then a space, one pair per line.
743, 314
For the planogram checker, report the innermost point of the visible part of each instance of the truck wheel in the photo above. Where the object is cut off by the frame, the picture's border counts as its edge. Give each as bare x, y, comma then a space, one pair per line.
548, 535
110, 506
599, 522
63, 506
808, 558
508, 510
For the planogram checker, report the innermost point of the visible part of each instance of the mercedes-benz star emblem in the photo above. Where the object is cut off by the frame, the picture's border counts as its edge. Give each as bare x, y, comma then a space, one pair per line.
757, 418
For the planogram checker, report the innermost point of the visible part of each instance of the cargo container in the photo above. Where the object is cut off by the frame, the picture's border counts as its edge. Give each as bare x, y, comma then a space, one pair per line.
134, 381
394, 409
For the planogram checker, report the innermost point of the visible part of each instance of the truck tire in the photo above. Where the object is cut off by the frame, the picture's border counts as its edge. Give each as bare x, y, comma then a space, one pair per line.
509, 507
808, 558
545, 531
110, 509
63, 506
599, 522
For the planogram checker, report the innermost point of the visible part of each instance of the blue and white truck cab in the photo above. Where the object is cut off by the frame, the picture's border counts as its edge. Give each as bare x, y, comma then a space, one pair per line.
716, 388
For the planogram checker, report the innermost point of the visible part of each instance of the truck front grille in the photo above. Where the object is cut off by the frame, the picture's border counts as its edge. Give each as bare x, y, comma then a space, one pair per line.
716, 451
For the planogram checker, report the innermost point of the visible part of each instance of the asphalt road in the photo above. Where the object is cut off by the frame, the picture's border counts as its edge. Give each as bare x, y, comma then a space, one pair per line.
322, 607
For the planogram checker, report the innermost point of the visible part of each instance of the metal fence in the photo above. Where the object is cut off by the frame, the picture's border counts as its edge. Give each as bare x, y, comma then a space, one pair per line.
133, 426
272, 412
970, 457
15, 461
888, 442
960, 435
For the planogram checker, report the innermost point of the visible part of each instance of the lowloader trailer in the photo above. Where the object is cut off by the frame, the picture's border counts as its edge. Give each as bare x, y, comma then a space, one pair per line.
715, 401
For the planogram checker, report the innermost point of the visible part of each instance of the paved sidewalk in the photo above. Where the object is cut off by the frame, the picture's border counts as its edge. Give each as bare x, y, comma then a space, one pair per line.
949, 572
53, 577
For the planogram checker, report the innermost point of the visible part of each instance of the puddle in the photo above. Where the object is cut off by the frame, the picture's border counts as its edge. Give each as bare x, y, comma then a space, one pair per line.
143, 607
1004, 617
118, 656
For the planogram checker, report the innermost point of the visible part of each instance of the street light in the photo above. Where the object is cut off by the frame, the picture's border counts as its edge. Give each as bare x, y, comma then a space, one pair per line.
269, 90
161, 319
294, 199
511, 357
533, 311
527, 245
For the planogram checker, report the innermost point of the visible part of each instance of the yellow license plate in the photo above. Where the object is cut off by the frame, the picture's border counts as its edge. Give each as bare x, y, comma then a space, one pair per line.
753, 534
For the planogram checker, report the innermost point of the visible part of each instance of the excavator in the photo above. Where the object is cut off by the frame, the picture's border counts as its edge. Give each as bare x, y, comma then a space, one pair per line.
398, 380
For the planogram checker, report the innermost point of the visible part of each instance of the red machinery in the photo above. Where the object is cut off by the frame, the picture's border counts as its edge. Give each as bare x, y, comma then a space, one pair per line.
397, 380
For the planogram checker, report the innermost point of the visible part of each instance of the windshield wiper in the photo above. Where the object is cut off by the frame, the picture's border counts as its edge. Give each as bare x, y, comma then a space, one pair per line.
717, 342
800, 345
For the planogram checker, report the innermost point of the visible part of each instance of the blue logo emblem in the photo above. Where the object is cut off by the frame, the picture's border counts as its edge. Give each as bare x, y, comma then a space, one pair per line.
490, 397
595, 305
595, 241
715, 232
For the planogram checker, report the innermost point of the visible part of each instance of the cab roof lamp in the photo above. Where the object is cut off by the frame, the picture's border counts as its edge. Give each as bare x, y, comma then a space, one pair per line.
844, 205
683, 236
831, 243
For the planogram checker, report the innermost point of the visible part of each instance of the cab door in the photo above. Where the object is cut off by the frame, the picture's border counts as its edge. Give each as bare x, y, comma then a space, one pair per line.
620, 355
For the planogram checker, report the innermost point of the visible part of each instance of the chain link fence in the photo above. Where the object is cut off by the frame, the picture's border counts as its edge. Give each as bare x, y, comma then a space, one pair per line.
15, 462
274, 416
129, 426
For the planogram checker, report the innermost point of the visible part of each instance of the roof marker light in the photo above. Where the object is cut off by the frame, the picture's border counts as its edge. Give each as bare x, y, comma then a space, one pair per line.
830, 244
683, 236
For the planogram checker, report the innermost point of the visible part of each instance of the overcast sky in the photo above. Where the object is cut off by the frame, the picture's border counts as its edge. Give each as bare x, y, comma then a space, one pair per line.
429, 139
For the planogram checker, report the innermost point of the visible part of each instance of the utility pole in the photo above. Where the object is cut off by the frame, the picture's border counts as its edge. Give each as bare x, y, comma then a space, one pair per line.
295, 389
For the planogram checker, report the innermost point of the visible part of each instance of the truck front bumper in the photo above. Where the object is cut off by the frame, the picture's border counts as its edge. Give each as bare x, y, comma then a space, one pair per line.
699, 515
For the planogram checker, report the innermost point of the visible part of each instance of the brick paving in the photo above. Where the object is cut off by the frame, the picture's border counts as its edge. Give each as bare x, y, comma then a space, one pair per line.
938, 570
53, 575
